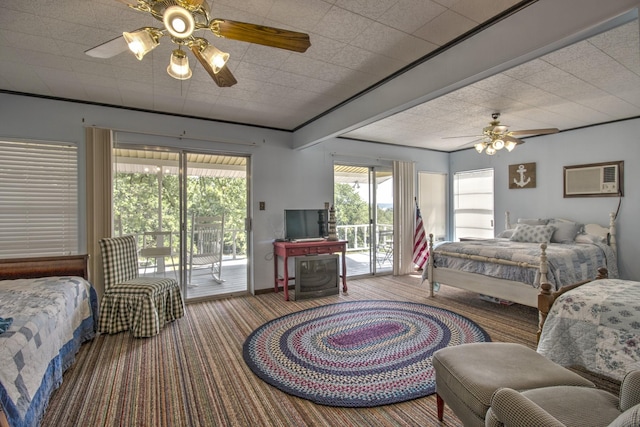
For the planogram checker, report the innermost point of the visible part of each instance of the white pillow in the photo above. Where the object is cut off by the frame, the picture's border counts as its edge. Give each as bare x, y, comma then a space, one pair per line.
532, 233
505, 234
590, 238
566, 231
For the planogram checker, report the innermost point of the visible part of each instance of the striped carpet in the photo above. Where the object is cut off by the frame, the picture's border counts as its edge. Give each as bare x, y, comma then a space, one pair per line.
193, 373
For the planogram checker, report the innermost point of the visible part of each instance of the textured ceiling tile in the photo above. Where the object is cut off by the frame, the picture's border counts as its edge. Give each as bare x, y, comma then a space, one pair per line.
342, 25
265, 56
286, 79
372, 9
444, 28
611, 106
259, 7
392, 43
481, 11
409, 15
21, 80
354, 58
323, 48
570, 53
305, 13
528, 68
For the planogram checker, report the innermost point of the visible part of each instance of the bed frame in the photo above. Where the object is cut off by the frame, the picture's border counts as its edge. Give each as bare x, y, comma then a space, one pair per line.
29, 268
521, 293
546, 298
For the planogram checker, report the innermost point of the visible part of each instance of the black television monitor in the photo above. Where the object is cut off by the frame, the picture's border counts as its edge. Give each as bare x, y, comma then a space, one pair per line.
317, 276
306, 223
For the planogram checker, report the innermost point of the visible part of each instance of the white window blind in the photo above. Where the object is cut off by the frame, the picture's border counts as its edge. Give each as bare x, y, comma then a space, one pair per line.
473, 203
38, 199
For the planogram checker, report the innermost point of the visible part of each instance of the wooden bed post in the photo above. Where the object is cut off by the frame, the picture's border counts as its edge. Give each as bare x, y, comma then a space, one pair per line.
544, 268
612, 233
546, 298
430, 265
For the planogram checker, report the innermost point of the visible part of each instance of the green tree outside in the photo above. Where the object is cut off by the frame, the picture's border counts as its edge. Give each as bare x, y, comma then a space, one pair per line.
135, 197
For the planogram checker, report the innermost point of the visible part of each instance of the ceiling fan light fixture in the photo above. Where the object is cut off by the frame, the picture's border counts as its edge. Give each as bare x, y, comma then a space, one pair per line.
498, 144
142, 41
490, 150
480, 146
510, 145
179, 22
179, 65
215, 57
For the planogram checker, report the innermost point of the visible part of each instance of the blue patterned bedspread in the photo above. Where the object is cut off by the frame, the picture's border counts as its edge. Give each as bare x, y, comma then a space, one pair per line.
596, 325
568, 263
52, 317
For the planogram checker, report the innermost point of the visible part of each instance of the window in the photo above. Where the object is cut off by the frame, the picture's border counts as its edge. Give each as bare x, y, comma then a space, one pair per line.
39, 193
473, 204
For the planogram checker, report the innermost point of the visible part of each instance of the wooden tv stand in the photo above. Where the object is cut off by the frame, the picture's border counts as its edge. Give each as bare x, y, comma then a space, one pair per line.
293, 249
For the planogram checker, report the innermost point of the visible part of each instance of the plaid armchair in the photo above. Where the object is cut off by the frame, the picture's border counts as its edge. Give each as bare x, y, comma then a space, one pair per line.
562, 406
139, 304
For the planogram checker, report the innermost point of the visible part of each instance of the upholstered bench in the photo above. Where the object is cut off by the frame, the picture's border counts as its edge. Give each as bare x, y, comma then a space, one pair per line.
467, 375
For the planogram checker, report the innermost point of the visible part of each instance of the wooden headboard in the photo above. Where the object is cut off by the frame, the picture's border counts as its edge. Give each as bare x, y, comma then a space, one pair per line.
29, 268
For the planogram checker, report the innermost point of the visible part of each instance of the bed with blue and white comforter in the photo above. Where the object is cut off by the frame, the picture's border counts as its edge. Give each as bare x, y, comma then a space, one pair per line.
597, 326
567, 262
49, 318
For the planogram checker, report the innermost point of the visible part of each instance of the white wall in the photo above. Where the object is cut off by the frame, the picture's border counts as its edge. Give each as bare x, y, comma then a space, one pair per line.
610, 142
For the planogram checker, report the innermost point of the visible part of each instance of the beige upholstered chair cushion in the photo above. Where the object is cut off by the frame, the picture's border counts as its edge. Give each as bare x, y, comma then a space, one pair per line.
629, 418
467, 375
567, 406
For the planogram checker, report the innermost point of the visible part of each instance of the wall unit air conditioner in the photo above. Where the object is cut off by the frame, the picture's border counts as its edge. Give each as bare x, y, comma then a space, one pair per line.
594, 180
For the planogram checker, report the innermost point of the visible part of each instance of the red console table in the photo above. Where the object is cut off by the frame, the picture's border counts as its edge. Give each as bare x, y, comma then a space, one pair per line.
293, 249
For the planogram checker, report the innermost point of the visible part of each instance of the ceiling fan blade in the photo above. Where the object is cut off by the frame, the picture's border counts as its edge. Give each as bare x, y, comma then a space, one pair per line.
130, 3
109, 49
223, 78
508, 138
534, 131
464, 136
267, 36
469, 144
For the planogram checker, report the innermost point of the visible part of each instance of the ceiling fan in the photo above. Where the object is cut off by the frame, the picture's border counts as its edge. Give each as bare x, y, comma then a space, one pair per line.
497, 136
180, 19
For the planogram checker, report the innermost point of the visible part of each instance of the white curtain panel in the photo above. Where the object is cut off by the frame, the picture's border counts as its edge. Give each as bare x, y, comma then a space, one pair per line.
404, 211
99, 194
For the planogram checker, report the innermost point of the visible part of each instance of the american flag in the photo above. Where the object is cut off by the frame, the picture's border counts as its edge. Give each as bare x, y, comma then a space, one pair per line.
420, 246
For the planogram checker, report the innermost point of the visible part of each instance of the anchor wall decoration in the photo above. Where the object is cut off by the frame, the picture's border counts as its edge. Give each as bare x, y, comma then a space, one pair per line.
522, 176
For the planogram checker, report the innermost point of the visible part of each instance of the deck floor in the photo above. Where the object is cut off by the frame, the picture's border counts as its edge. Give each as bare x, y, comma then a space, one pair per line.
234, 276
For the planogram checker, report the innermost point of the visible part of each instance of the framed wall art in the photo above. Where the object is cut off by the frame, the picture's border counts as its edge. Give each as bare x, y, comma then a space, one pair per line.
522, 175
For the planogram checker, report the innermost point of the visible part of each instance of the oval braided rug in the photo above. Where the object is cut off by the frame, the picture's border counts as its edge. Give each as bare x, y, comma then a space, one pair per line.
357, 354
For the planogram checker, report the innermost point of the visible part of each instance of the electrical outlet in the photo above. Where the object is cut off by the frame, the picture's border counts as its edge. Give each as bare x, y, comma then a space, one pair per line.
262, 206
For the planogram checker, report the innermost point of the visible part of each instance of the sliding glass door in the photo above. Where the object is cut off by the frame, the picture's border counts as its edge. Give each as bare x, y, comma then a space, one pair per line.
216, 238
363, 197
188, 211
